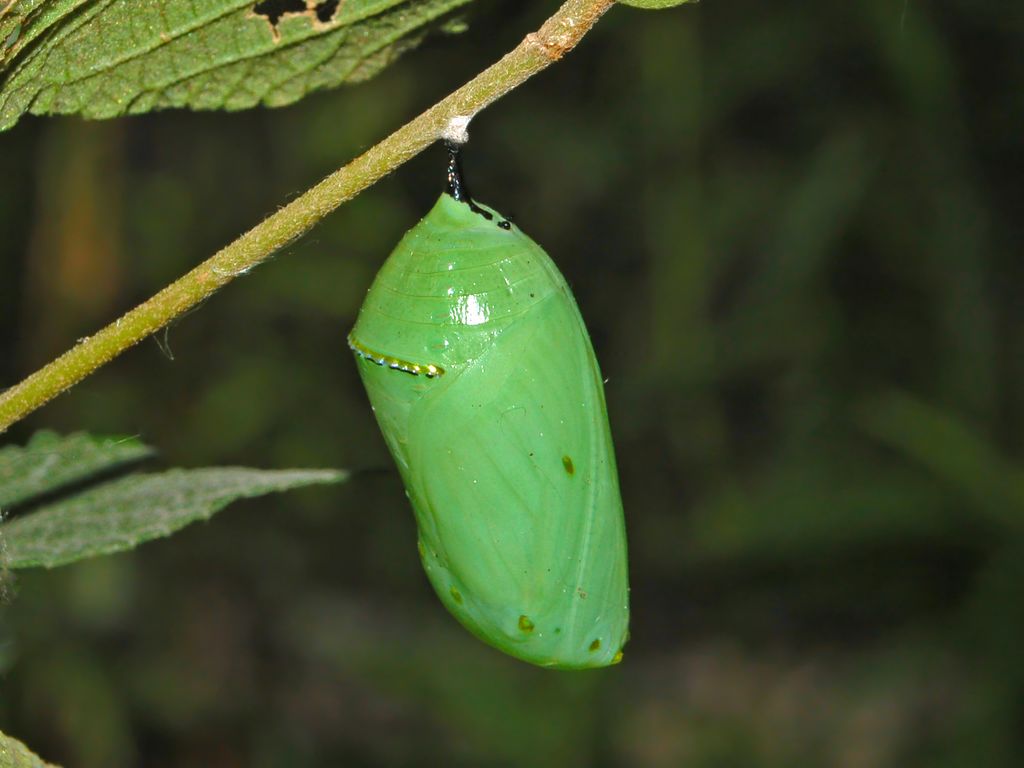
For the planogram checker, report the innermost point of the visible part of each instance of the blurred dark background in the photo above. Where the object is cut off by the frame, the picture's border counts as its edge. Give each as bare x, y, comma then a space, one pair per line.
795, 232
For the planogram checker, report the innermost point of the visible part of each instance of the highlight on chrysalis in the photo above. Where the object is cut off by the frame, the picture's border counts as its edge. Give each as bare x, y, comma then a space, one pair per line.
485, 385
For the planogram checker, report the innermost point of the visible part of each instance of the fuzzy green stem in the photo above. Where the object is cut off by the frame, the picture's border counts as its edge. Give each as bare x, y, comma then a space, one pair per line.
538, 50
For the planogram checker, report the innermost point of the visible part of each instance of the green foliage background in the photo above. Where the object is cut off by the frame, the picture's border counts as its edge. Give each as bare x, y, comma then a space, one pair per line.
794, 232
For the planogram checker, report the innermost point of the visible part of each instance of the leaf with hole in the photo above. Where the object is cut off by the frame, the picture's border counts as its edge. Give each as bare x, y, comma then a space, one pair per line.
103, 58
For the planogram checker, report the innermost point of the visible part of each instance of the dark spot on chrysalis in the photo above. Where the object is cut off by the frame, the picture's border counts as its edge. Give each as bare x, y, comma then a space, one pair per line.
505, 224
570, 468
457, 181
595, 646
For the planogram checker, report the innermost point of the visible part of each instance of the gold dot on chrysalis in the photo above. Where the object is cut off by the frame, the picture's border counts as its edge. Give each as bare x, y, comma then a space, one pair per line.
525, 624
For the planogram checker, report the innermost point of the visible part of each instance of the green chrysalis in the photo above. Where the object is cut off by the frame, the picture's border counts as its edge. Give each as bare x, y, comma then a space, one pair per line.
484, 382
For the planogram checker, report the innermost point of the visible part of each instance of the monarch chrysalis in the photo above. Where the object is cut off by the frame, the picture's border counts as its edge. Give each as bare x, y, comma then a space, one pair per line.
484, 383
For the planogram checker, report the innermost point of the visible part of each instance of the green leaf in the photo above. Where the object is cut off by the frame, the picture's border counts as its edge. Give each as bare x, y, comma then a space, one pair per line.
653, 4
102, 58
121, 514
50, 462
14, 754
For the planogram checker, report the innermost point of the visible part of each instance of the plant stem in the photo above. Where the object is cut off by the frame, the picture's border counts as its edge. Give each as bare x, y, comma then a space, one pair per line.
538, 50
